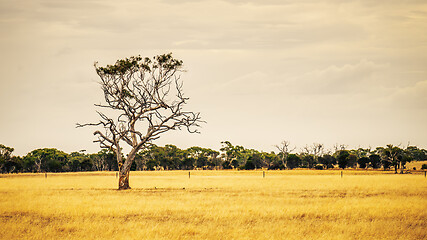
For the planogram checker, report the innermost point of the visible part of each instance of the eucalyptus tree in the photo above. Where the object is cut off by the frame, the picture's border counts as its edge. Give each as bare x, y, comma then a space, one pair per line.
143, 99
375, 160
416, 153
5, 156
342, 157
234, 155
392, 155
293, 161
284, 151
47, 160
8, 162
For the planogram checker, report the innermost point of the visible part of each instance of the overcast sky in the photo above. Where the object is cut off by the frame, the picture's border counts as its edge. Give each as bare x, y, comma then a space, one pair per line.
346, 72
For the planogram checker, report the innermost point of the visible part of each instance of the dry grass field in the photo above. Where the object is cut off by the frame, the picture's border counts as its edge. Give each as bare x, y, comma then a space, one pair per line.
416, 164
294, 204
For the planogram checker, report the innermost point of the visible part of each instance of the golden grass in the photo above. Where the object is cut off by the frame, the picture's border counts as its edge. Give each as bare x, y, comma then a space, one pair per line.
293, 204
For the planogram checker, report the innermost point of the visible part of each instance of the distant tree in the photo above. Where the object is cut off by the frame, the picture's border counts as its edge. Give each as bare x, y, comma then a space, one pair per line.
47, 160
284, 150
173, 157
352, 160
327, 160
235, 163
269, 159
392, 156
5, 158
234, 155
188, 163
256, 158
317, 150
157, 157
170, 157
406, 155
54, 166
227, 165
213, 160
342, 158
249, 165
308, 161
201, 157
16, 165
198, 157
416, 153
8, 162
78, 161
375, 161
293, 161
147, 97
141, 161
86, 164
338, 147
363, 162
146, 158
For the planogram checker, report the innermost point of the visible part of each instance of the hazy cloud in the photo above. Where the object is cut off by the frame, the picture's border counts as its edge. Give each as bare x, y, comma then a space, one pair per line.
345, 79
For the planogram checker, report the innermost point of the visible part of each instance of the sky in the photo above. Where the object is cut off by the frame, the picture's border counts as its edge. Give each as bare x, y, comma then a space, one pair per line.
260, 72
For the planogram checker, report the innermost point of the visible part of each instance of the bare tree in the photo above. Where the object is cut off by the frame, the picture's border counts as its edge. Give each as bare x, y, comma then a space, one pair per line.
144, 98
99, 162
340, 147
285, 149
318, 150
306, 150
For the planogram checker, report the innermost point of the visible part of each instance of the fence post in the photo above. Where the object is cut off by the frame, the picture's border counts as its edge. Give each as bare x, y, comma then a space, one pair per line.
263, 174
45, 175
188, 174
341, 174
117, 174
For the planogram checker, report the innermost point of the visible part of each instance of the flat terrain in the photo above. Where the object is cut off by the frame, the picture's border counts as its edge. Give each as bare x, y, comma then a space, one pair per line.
295, 204
416, 164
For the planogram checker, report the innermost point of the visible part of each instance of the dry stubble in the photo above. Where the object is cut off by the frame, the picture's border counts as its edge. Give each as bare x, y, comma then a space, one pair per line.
215, 205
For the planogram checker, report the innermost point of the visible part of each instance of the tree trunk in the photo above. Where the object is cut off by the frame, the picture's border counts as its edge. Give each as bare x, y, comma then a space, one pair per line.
124, 179
125, 169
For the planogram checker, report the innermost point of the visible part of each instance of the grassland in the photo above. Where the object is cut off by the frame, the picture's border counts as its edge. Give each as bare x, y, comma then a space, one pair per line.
293, 204
416, 164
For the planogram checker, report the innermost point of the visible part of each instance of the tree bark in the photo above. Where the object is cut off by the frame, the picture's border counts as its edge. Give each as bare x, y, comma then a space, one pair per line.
124, 180
124, 174
125, 169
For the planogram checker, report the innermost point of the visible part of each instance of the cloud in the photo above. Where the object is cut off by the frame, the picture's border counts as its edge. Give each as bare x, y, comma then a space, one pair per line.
344, 79
253, 83
412, 97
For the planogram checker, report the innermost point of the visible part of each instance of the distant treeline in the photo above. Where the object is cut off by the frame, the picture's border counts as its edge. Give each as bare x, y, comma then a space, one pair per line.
171, 157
